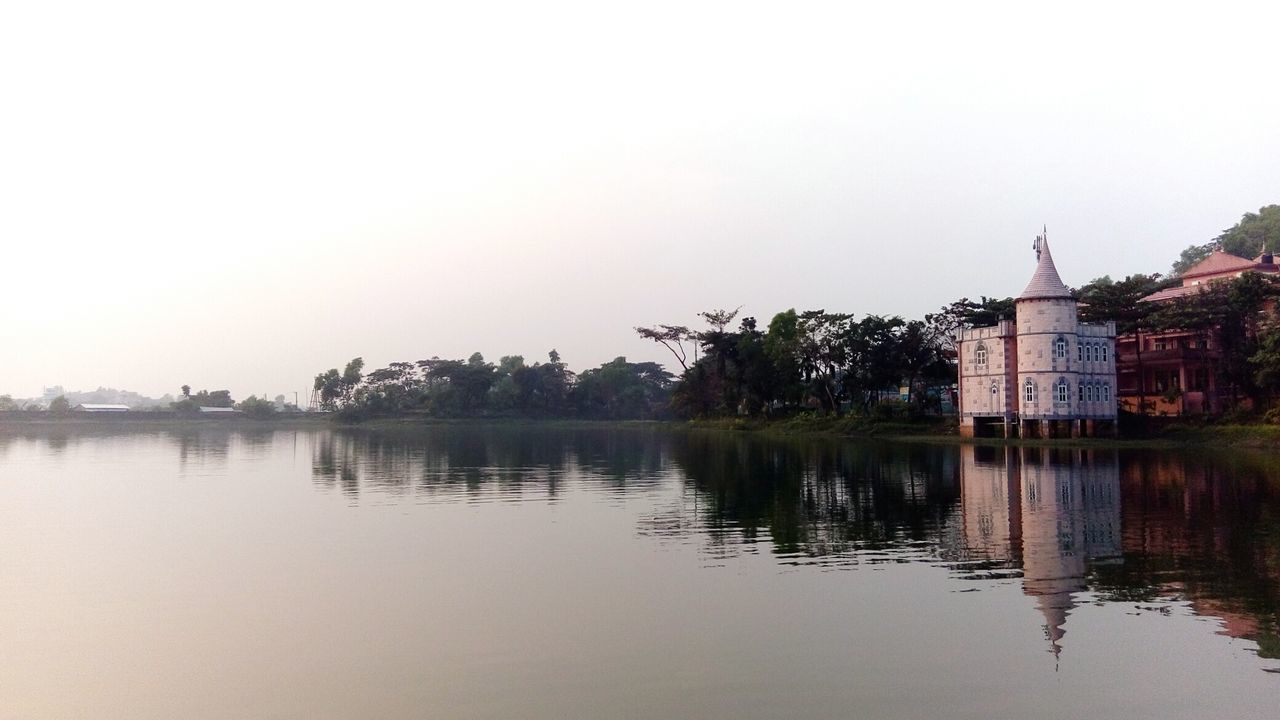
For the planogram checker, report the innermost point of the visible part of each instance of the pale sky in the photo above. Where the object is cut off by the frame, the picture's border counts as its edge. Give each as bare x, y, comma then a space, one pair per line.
240, 195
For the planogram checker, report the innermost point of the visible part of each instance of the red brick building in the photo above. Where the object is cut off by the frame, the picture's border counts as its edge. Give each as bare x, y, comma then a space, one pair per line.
1176, 375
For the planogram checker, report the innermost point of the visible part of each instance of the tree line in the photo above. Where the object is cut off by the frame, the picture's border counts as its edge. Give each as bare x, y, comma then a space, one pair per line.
474, 387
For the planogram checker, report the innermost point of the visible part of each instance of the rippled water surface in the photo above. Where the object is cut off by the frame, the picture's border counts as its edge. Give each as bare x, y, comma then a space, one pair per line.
542, 573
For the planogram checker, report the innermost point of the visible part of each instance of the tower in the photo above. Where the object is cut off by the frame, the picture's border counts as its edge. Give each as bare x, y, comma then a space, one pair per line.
1044, 374
1048, 334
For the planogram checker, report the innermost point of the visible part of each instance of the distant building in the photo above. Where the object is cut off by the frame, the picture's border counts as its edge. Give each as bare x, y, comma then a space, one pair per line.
1045, 374
1175, 374
100, 408
218, 410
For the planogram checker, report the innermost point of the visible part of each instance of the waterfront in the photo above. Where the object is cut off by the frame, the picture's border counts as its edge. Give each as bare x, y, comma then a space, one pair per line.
543, 572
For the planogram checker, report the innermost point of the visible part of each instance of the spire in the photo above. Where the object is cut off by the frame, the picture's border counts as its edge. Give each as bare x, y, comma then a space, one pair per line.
1045, 283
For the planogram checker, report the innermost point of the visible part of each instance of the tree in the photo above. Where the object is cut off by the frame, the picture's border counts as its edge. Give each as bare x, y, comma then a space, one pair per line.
1248, 238
1254, 233
60, 405
186, 391
823, 352
1229, 312
1104, 300
621, 389
782, 345
337, 390
673, 338
8, 403
1265, 361
1191, 256
965, 313
256, 407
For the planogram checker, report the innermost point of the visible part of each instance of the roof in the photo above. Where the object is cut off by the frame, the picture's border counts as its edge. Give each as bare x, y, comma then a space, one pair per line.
91, 407
206, 409
1217, 266
1045, 282
1219, 262
1175, 292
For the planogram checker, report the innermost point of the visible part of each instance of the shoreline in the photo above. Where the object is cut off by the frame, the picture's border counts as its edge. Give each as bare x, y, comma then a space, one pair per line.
935, 431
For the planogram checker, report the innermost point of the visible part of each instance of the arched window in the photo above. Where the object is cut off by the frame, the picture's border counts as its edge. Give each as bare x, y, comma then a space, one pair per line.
1103, 349
1088, 394
1090, 352
1064, 392
1060, 348
995, 390
1081, 387
1029, 391
980, 356
1079, 352
1106, 392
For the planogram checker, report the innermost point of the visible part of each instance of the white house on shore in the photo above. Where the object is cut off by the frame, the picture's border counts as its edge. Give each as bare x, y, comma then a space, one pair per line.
1044, 374
100, 408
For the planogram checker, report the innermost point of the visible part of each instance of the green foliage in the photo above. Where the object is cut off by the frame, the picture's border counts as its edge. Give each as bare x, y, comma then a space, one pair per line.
1121, 302
965, 313
1265, 362
1191, 256
1253, 233
256, 407
192, 403
1228, 314
60, 405
337, 390
8, 403
1245, 239
621, 389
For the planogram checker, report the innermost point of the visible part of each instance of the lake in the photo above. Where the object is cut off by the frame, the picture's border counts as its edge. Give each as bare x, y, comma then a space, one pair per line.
536, 572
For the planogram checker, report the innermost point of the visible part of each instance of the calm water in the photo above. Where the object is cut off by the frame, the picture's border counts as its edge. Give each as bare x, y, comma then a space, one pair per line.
473, 573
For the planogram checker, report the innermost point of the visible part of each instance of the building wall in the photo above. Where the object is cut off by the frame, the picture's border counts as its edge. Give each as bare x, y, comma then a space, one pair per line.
1041, 325
977, 381
1096, 359
1089, 359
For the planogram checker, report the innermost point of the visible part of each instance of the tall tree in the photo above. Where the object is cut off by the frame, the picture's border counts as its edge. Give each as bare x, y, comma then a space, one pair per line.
1104, 300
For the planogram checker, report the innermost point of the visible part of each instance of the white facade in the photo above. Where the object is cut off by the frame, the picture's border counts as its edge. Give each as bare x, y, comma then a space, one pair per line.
1041, 372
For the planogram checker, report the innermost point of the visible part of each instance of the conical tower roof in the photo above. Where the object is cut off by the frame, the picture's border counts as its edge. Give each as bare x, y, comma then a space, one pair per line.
1045, 283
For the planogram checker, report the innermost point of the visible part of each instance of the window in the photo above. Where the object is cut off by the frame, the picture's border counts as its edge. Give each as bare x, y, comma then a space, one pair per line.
1106, 392
1103, 350
1029, 391
994, 390
980, 356
1064, 392
1079, 352
1088, 393
1060, 349
1082, 392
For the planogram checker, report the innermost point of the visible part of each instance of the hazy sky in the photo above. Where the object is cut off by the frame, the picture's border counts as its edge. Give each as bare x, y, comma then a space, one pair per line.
241, 195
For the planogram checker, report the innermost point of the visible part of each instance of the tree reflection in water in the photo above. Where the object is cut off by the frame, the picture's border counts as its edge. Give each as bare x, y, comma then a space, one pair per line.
1072, 525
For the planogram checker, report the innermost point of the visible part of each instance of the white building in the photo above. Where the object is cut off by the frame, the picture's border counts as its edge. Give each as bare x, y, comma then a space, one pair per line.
100, 408
1044, 374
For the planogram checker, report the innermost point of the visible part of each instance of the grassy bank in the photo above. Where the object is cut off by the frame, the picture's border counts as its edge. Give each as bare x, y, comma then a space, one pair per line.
1186, 434
945, 430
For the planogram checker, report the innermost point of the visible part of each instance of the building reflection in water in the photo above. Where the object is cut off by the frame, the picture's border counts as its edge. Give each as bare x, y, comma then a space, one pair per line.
1053, 512
1203, 530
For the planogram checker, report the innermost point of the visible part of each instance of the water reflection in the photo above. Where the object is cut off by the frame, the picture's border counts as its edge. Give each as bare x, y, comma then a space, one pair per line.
1071, 526
1053, 513
502, 464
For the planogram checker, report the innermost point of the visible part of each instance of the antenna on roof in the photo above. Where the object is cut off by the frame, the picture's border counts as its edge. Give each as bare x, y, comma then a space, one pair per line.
1040, 240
